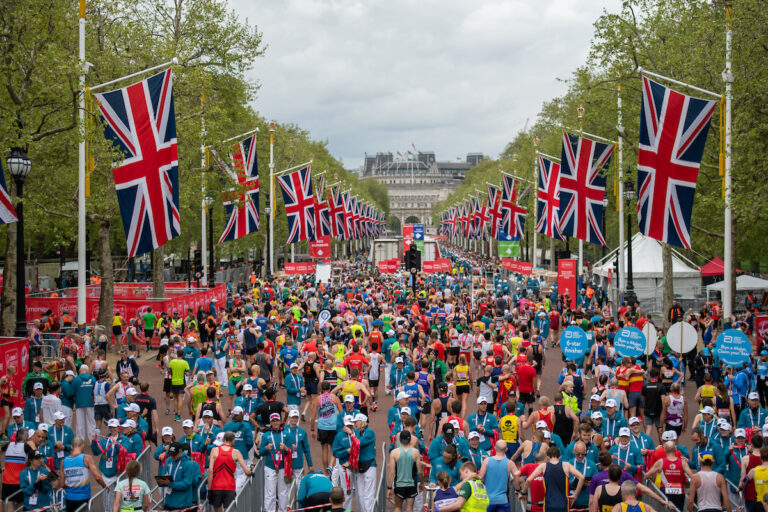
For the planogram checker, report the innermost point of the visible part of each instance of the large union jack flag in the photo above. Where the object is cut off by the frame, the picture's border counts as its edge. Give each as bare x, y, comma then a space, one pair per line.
548, 198
673, 132
140, 121
495, 214
7, 211
582, 187
242, 202
322, 216
299, 204
336, 213
513, 215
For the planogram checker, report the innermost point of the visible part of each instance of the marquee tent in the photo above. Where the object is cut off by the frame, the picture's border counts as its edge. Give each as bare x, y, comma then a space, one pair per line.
743, 283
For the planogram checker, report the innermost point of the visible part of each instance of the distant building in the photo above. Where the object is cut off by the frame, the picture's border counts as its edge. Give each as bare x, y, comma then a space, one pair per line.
416, 182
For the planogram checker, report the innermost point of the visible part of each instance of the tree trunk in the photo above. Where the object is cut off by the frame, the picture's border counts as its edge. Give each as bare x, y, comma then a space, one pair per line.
107, 289
8, 299
669, 286
552, 262
158, 274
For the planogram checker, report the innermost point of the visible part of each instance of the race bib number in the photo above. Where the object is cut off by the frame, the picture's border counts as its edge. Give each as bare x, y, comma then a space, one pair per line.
33, 499
673, 490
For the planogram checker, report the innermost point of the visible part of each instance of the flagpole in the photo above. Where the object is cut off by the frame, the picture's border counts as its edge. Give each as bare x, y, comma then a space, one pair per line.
272, 198
249, 132
132, 75
535, 200
727, 232
621, 277
203, 207
581, 242
81, 249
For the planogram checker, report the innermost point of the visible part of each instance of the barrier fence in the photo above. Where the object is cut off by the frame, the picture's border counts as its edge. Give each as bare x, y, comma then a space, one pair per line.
380, 505
251, 496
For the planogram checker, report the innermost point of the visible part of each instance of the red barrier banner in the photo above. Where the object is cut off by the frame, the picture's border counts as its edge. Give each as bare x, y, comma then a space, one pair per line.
320, 248
15, 352
430, 267
407, 237
761, 326
521, 267
445, 264
389, 266
300, 268
566, 280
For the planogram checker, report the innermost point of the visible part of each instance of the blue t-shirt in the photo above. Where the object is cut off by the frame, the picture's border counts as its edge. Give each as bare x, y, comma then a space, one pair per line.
204, 364
289, 355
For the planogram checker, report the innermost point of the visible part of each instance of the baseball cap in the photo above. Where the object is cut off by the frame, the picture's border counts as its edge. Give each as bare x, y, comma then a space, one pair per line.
219, 439
724, 425
634, 420
38, 385
208, 412
274, 416
406, 410
294, 365
69, 373
58, 415
764, 352
448, 429
482, 399
669, 435
349, 398
349, 421
129, 424
361, 417
17, 411
596, 398
293, 413
247, 387
131, 391
541, 424
740, 432
132, 408
707, 410
188, 423
37, 455
624, 431
398, 360
752, 396
707, 455
403, 395
596, 415
167, 431
43, 426
547, 434
174, 449
610, 402
114, 422
473, 435
238, 410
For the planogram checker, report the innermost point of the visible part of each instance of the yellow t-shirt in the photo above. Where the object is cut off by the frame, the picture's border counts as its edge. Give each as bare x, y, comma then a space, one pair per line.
462, 375
178, 367
514, 341
509, 428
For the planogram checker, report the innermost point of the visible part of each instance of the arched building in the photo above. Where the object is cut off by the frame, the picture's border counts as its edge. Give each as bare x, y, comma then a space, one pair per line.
416, 184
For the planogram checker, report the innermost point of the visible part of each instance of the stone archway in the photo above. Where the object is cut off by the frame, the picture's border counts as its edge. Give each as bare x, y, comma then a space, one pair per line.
394, 224
412, 219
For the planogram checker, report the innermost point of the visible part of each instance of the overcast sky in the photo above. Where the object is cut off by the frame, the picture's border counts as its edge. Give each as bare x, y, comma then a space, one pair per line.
450, 76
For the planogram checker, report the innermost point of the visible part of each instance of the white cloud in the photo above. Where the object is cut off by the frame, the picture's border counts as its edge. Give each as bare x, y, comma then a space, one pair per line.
449, 76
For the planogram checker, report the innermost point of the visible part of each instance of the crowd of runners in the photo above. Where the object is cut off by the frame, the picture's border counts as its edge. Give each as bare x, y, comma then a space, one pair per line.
453, 366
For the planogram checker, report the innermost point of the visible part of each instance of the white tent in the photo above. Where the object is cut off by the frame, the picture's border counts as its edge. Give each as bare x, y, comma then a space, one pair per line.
648, 271
743, 283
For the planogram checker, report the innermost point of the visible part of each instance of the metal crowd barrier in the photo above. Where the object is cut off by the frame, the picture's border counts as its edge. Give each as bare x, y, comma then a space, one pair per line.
103, 500
380, 505
252, 493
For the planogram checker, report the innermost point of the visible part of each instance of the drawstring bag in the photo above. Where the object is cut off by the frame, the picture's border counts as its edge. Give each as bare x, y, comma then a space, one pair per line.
354, 453
288, 465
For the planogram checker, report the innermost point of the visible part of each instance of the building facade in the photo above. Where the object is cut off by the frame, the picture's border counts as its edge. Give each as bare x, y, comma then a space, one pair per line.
415, 184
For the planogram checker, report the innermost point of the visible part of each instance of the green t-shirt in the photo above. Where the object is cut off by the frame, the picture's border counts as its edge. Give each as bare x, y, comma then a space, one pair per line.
149, 320
465, 491
132, 497
178, 367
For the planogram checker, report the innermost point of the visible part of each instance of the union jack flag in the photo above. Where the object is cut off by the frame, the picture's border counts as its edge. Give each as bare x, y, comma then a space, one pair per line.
349, 226
673, 132
582, 187
140, 121
299, 204
242, 203
336, 214
7, 211
513, 220
548, 199
494, 210
482, 219
322, 216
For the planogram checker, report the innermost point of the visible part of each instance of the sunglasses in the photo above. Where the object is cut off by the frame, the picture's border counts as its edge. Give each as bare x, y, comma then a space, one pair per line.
580, 454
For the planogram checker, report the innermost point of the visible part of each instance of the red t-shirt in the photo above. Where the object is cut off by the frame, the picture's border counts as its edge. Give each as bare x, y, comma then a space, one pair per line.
507, 386
440, 347
537, 487
356, 362
526, 374
310, 346
554, 320
375, 341
498, 350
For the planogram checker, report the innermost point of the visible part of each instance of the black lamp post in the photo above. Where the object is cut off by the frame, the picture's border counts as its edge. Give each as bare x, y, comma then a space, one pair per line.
629, 196
209, 213
19, 166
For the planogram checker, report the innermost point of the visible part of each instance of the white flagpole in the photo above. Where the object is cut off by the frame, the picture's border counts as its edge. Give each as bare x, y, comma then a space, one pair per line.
728, 248
272, 198
249, 132
535, 200
621, 277
581, 242
203, 207
132, 75
81, 270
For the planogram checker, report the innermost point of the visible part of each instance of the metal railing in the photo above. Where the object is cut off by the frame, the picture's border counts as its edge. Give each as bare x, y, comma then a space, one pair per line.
251, 496
103, 500
380, 505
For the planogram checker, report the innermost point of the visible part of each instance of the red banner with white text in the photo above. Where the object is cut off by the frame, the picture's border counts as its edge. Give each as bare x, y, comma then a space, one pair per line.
15, 352
521, 267
320, 248
761, 326
389, 266
566, 280
304, 267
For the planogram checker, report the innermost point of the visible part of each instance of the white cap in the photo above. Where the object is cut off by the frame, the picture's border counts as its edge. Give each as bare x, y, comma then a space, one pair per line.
547, 434
754, 396
131, 391
473, 435
43, 426
634, 420
349, 398
707, 410
481, 400
293, 413
541, 424
114, 422
167, 431
361, 417
207, 412
610, 402
398, 360
669, 435
403, 396
58, 415
219, 439
247, 387
38, 385
624, 431
724, 425
595, 398
69, 373
132, 408
17, 411
129, 424
191, 339
294, 365
406, 410
349, 421
237, 410
188, 423
596, 415
84, 367
740, 432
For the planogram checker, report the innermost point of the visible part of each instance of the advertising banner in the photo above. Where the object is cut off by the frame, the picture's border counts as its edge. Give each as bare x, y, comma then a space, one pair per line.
566, 280
15, 352
320, 248
733, 347
300, 268
574, 343
630, 342
389, 266
761, 326
418, 236
407, 237
513, 265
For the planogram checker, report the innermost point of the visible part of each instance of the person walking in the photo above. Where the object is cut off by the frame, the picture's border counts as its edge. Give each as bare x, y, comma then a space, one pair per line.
221, 472
35, 482
629, 501
75, 477
708, 489
132, 493
672, 469
403, 469
495, 473
85, 421
556, 474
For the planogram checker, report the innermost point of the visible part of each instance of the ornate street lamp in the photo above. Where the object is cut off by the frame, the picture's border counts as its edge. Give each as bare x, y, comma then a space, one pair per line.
211, 270
19, 166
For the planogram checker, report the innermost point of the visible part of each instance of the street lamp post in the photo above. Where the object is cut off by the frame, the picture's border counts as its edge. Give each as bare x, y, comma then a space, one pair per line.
605, 209
629, 195
211, 271
19, 166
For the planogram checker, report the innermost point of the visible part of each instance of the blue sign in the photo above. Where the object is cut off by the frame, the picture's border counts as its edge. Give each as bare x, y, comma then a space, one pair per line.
418, 231
629, 342
573, 342
733, 347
